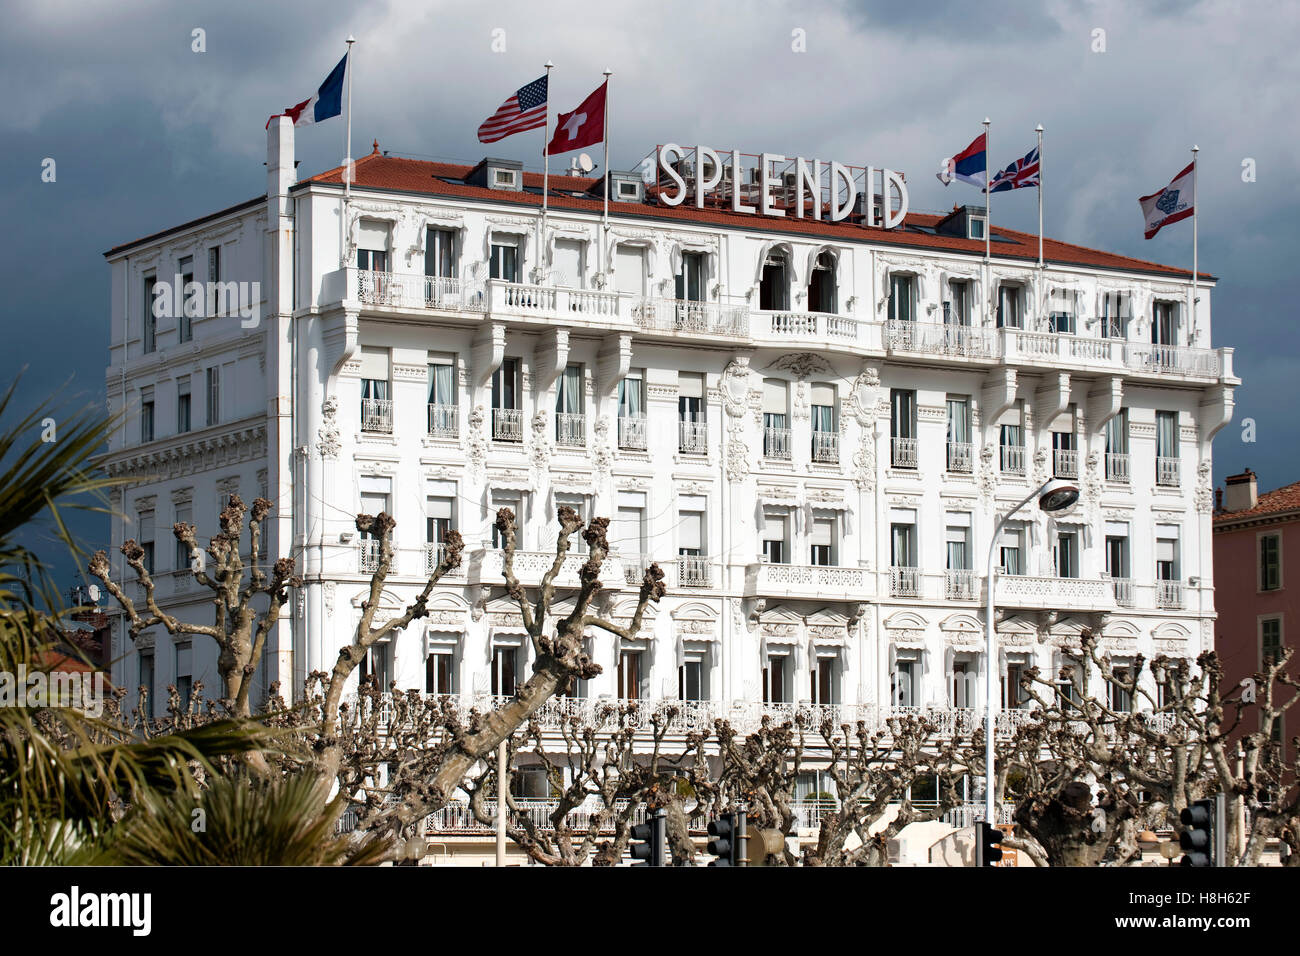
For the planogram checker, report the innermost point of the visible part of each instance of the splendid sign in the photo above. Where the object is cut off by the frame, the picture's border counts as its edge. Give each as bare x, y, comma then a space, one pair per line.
810, 177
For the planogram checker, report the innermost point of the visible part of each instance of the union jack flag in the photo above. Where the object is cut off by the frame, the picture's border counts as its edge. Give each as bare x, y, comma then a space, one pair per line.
1021, 173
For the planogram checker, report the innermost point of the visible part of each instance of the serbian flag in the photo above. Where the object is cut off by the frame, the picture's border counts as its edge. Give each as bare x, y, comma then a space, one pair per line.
583, 127
969, 166
1170, 204
327, 102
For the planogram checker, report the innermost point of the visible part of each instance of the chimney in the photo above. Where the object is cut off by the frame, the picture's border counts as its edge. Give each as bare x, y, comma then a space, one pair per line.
1242, 492
1218, 500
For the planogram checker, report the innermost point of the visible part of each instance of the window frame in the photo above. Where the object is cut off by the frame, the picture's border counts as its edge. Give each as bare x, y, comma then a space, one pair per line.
1262, 584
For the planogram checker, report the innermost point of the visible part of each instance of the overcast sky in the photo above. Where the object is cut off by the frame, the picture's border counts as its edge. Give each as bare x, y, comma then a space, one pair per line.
147, 134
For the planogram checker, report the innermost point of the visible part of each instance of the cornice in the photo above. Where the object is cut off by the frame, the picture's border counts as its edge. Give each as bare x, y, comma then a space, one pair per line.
187, 454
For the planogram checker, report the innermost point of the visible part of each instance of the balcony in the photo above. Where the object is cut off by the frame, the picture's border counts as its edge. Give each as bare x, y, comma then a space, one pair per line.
1169, 594
1117, 468
1065, 463
826, 448
368, 555
508, 424
433, 554
444, 421
776, 443
632, 432
904, 582
1123, 588
693, 438
403, 291
634, 566
485, 567
809, 326
551, 302
928, 338
377, 415
570, 430
1168, 472
828, 582
960, 457
694, 572
684, 316
1173, 360
960, 584
1053, 593
1111, 354
903, 452
1013, 459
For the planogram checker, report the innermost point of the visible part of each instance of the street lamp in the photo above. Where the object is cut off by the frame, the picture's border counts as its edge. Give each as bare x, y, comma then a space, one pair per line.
1054, 495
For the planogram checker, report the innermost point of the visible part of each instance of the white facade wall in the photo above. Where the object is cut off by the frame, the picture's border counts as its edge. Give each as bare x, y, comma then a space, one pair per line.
293, 426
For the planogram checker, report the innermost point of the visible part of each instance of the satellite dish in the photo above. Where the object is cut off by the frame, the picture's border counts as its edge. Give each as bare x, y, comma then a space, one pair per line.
585, 163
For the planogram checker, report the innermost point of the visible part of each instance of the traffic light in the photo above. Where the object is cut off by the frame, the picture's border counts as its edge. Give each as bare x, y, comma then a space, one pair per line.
988, 844
1203, 840
648, 839
728, 839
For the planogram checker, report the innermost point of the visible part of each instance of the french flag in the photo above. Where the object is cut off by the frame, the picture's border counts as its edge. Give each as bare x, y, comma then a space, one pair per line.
327, 102
969, 166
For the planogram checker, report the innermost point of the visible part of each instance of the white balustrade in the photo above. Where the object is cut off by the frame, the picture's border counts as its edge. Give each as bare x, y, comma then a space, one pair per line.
904, 582
632, 431
1013, 459
377, 415
826, 447
444, 421
508, 424
1168, 472
368, 555
776, 442
1123, 588
570, 429
961, 341
1117, 467
960, 584
1169, 594
1065, 462
694, 571
682, 315
904, 452
961, 455
408, 291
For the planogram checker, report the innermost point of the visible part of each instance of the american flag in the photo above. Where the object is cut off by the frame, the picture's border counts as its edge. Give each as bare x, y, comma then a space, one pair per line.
1021, 173
526, 109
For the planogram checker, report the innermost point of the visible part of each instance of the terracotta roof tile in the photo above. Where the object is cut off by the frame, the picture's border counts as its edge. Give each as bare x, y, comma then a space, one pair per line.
377, 171
1286, 498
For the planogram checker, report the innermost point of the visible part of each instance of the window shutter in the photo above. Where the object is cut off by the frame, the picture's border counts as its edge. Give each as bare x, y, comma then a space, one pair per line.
374, 364
372, 235
690, 385
774, 397
688, 530
823, 395
823, 531
1165, 548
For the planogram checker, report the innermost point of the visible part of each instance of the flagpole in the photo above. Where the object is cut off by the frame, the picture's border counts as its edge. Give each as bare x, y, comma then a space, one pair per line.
347, 165
546, 168
605, 213
1039, 130
988, 196
1191, 326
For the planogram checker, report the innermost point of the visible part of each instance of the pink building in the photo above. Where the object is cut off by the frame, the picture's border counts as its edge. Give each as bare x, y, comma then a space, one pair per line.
1258, 605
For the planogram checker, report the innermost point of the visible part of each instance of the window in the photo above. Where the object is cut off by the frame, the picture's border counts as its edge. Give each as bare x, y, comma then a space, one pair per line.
377, 665
184, 673
183, 406
631, 410
692, 677
146, 415
692, 560
1010, 555
902, 545
150, 321
962, 683
214, 395
440, 252
960, 454
1114, 315
774, 287
826, 679
505, 660
507, 413
1167, 450
372, 245
504, 262
1117, 556
442, 395
507, 498
1117, 460
776, 674
376, 398
776, 429
694, 436
823, 541
570, 423
975, 227
1069, 681
956, 308
1013, 695
776, 549
902, 298
903, 680
191, 307
958, 542
1270, 642
440, 514
690, 281
902, 428
825, 435
376, 497
1065, 457
440, 669
1061, 312
1118, 696
1167, 553
821, 285
628, 532
144, 527
184, 515
579, 504
146, 681
1012, 449
629, 675
1067, 554
1010, 314
1164, 329
1270, 562
630, 269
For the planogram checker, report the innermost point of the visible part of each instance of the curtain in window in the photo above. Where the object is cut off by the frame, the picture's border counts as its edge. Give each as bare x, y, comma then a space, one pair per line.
1011, 436
629, 398
902, 414
373, 388
901, 554
1166, 435
823, 418
440, 385
570, 398
900, 298
1117, 434
957, 556
958, 426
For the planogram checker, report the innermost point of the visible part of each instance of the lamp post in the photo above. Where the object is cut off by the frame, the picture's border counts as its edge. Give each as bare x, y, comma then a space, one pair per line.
1053, 495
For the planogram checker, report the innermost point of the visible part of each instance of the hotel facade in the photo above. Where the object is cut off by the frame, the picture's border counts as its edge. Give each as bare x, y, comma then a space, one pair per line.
811, 426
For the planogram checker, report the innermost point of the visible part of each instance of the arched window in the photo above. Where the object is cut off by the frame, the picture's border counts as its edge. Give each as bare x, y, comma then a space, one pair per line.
822, 285
774, 287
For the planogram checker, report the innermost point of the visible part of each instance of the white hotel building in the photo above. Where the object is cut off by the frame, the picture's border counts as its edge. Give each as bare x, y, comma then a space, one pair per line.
811, 426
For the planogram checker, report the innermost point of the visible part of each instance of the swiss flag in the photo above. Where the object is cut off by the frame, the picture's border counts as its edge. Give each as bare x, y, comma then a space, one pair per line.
583, 127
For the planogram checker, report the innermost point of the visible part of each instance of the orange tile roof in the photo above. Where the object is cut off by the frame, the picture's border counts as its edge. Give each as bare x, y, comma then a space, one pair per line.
398, 174
1286, 498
